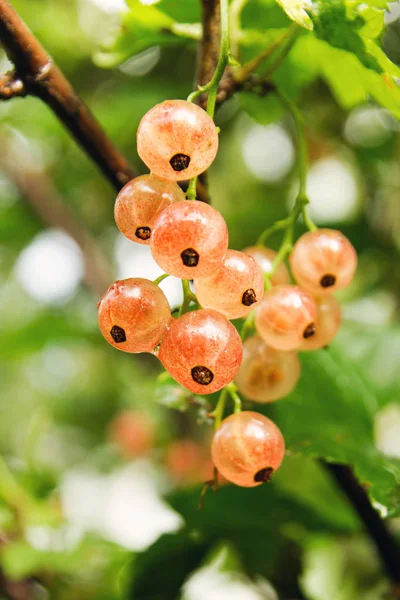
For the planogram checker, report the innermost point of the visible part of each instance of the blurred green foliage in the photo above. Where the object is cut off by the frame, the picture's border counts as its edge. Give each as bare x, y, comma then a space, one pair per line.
62, 386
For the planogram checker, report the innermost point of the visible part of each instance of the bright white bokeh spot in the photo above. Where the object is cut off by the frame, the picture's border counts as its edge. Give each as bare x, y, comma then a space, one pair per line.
268, 152
136, 260
142, 63
387, 430
213, 582
109, 6
333, 191
393, 12
124, 507
51, 268
368, 126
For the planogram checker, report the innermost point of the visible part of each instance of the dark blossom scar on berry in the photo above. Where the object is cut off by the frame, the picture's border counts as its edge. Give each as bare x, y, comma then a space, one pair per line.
202, 375
143, 233
309, 330
249, 297
264, 475
118, 334
327, 280
190, 257
180, 162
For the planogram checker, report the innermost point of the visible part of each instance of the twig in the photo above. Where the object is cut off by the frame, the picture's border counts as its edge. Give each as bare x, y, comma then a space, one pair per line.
36, 72
385, 543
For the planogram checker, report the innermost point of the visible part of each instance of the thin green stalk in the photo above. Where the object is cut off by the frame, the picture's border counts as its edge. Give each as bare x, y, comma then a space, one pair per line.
236, 9
188, 297
218, 413
300, 207
191, 192
161, 278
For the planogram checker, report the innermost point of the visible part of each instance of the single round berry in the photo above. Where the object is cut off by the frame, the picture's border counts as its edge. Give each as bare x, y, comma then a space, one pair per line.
140, 201
328, 321
235, 288
177, 140
286, 316
266, 374
247, 448
189, 239
323, 261
202, 351
133, 315
264, 257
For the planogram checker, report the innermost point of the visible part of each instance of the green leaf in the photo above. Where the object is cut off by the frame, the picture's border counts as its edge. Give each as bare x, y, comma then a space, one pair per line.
143, 27
333, 25
160, 571
295, 10
330, 415
351, 82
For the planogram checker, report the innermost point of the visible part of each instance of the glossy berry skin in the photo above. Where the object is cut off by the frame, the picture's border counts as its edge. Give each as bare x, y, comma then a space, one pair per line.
329, 319
133, 315
264, 257
247, 448
266, 374
323, 261
202, 351
140, 201
286, 316
189, 239
235, 288
177, 140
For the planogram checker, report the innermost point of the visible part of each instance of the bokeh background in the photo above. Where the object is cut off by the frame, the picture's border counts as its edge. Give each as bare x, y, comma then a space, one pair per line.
99, 455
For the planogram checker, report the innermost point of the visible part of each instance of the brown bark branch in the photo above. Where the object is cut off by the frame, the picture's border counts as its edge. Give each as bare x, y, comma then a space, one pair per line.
385, 543
42, 78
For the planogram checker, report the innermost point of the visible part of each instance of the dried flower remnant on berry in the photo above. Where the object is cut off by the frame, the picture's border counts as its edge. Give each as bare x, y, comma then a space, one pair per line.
202, 375
118, 334
180, 162
328, 281
190, 257
143, 233
264, 475
249, 297
309, 331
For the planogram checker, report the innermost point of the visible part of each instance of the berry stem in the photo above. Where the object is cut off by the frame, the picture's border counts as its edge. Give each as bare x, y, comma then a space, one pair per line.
188, 297
300, 206
161, 278
248, 324
218, 412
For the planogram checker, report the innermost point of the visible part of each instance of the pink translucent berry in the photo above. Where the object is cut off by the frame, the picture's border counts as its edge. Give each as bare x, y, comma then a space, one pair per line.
140, 201
189, 239
323, 261
133, 315
247, 448
202, 351
329, 319
177, 140
264, 257
235, 288
286, 316
266, 374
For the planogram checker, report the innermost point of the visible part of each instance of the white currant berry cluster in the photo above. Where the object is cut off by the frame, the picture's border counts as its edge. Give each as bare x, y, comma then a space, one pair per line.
202, 350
